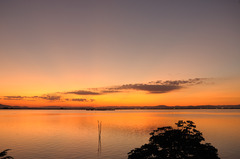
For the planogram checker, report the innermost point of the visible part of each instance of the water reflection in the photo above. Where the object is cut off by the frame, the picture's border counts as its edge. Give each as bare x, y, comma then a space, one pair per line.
3, 155
74, 134
184, 142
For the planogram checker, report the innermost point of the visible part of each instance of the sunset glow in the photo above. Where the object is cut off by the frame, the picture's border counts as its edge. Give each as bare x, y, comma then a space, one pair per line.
119, 53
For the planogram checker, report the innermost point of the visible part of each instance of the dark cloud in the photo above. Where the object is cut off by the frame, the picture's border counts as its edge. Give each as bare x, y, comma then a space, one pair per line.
79, 99
153, 87
150, 87
50, 97
46, 97
92, 100
156, 86
83, 92
179, 82
13, 97
97, 91
32, 98
110, 91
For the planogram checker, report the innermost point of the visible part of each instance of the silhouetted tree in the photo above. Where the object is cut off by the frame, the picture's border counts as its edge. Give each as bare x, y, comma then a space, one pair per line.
184, 142
4, 153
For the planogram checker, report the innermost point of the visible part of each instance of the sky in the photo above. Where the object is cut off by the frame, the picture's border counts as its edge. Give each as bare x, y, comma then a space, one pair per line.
119, 53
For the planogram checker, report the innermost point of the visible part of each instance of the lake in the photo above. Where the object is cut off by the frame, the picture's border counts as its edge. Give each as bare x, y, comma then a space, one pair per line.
74, 134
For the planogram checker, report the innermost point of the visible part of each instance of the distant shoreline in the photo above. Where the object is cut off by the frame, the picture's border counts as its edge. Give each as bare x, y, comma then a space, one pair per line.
112, 108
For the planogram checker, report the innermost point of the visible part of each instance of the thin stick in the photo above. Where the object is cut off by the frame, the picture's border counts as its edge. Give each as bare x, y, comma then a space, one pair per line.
99, 137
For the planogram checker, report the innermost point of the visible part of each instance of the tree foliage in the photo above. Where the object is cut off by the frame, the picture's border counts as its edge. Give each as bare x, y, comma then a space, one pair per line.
4, 153
184, 142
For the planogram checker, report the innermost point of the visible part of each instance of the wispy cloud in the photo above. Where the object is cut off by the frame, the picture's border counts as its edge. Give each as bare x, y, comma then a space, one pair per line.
150, 88
160, 86
79, 99
83, 92
110, 90
50, 97
47, 97
153, 87
13, 97
82, 100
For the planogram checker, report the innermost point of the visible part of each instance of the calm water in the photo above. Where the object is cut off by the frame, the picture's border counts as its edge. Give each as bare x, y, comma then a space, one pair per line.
73, 134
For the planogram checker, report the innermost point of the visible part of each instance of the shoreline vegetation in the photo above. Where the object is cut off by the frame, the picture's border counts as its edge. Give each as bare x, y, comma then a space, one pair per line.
112, 108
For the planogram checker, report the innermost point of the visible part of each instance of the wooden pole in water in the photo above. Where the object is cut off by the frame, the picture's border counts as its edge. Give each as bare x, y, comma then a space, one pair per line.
99, 137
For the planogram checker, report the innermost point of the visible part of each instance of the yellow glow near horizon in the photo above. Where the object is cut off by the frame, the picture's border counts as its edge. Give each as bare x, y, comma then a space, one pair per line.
223, 92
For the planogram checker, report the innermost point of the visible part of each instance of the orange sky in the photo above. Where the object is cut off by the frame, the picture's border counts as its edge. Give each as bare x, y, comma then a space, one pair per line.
102, 53
196, 92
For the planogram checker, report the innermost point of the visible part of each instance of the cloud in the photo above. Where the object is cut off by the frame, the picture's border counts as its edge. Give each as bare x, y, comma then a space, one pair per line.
153, 87
157, 86
79, 99
50, 97
150, 88
13, 97
31, 98
47, 97
97, 91
92, 100
110, 91
83, 92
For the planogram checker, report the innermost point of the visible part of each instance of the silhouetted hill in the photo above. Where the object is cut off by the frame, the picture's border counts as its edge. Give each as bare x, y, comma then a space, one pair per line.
10, 107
